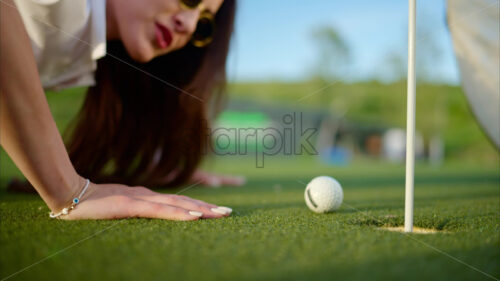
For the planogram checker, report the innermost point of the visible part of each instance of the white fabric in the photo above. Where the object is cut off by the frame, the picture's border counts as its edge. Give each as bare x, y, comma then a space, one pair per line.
474, 26
67, 37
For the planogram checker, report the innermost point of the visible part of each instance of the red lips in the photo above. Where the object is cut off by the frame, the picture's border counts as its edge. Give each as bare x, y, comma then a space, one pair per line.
163, 36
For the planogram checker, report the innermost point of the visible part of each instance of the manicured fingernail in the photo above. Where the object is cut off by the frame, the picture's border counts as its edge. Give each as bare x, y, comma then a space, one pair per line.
195, 213
219, 210
227, 209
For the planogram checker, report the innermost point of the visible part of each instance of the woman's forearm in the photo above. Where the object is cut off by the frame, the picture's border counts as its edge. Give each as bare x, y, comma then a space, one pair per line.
28, 132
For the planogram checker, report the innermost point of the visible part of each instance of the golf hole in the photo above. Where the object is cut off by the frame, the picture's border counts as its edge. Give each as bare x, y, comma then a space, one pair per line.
416, 230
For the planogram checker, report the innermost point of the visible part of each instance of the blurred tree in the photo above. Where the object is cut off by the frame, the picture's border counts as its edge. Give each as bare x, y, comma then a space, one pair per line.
333, 53
392, 68
429, 54
331, 66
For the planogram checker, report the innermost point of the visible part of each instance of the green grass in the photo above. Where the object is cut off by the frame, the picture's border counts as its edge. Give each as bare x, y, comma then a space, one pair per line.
440, 109
271, 234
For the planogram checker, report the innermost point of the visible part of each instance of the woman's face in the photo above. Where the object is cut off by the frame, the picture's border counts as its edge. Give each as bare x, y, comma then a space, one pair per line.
150, 28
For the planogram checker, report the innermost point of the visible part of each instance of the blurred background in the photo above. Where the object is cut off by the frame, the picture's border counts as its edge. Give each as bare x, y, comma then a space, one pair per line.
342, 65
337, 68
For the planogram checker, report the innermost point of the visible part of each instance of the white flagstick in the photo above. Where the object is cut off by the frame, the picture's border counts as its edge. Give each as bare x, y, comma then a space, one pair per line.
410, 118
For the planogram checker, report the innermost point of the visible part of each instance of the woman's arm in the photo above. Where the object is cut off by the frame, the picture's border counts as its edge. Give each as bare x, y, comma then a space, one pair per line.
28, 132
29, 135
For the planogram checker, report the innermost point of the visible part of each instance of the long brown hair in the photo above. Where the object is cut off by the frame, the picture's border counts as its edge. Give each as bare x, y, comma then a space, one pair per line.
138, 110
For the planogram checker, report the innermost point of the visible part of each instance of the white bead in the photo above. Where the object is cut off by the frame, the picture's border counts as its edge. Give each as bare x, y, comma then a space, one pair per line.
65, 211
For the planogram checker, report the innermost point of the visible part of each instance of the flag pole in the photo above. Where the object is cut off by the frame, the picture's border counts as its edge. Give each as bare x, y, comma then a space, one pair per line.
410, 119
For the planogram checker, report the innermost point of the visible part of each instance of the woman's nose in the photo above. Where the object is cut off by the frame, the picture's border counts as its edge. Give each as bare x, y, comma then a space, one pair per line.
186, 21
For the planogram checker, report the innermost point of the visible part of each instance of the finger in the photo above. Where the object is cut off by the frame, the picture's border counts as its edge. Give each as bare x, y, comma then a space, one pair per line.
226, 211
199, 176
206, 178
208, 210
233, 180
171, 199
148, 194
213, 181
220, 180
149, 209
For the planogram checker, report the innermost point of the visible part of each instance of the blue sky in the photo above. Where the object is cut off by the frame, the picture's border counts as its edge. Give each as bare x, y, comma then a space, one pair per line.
273, 37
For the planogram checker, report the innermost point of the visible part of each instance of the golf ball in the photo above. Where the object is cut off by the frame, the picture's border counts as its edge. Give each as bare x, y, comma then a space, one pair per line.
323, 194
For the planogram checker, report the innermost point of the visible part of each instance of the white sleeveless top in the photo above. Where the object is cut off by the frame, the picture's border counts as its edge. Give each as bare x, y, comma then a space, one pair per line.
67, 37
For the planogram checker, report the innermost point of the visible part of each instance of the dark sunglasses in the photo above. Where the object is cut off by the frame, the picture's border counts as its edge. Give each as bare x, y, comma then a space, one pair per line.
205, 28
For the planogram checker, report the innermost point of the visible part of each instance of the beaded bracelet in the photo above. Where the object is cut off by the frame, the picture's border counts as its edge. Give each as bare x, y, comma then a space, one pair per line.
74, 202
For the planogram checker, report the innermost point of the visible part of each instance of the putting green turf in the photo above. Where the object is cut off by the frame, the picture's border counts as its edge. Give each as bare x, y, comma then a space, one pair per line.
271, 234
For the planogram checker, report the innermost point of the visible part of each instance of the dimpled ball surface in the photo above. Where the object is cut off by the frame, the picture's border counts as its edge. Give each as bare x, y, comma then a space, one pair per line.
323, 194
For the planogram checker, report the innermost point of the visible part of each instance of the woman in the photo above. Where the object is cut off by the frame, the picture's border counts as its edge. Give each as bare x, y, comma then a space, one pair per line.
143, 121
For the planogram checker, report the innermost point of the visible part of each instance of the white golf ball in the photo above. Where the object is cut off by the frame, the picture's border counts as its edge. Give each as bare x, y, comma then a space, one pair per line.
323, 194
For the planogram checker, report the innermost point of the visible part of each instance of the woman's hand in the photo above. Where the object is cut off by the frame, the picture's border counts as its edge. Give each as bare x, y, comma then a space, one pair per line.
215, 180
115, 201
